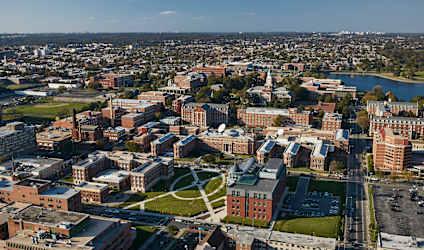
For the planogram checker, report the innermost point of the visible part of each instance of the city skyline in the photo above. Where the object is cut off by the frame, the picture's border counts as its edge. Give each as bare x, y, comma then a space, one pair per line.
219, 16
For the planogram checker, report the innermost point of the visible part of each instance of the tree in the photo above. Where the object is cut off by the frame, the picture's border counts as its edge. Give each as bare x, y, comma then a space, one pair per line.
132, 146
278, 121
363, 120
158, 115
336, 166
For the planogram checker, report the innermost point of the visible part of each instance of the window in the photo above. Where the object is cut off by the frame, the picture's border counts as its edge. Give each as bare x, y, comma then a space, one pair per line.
254, 203
264, 204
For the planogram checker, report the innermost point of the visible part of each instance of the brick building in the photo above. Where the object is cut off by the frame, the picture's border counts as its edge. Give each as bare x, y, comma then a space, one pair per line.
133, 120
143, 141
180, 101
392, 152
291, 155
113, 80
144, 177
189, 80
218, 71
16, 138
33, 228
411, 127
254, 192
155, 97
388, 108
332, 121
115, 134
93, 192
41, 193
184, 146
134, 106
205, 114
54, 139
83, 118
184, 130
231, 141
162, 144
319, 160
265, 117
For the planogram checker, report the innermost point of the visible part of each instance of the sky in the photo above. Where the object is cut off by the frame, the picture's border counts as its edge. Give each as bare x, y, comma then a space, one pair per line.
39, 16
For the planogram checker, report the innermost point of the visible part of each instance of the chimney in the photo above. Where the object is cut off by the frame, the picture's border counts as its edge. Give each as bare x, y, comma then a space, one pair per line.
13, 165
112, 118
74, 118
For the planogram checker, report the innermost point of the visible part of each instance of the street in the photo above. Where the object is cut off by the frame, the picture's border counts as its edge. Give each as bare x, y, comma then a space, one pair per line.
355, 219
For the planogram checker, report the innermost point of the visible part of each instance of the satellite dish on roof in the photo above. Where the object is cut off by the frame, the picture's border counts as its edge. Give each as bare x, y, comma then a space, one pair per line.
280, 132
222, 127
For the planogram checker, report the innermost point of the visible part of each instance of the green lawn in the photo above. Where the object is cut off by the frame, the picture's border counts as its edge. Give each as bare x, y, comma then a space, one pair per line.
50, 110
194, 193
206, 175
245, 221
212, 185
219, 203
185, 181
320, 226
134, 198
221, 192
164, 185
334, 187
143, 233
171, 205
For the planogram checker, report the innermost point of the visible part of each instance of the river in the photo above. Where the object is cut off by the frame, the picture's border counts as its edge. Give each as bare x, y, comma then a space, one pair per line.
402, 90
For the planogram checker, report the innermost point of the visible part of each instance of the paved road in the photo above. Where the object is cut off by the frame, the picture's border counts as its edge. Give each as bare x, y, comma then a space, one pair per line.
356, 211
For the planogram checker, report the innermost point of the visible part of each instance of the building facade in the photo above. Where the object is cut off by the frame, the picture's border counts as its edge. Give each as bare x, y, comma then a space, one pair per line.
265, 117
332, 121
16, 138
205, 114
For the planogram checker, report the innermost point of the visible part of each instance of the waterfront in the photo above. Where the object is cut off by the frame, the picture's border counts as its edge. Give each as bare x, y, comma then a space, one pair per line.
404, 91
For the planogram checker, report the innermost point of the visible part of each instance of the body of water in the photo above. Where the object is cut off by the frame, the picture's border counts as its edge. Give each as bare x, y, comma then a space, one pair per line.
402, 90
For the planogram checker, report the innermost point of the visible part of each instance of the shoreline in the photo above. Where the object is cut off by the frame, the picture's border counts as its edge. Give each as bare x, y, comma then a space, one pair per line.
378, 75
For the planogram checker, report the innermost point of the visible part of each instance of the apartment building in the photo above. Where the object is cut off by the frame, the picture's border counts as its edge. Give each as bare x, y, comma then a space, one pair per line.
254, 191
42, 193
391, 152
36, 167
189, 80
133, 120
410, 127
205, 114
266, 150
180, 101
389, 108
83, 118
265, 117
16, 139
332, 121
136, 106
143, 141
291, 155
115, 134
144, 177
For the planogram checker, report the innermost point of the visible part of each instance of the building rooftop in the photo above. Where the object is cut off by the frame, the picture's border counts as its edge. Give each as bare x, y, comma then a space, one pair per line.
186, 140
292, 148
91, 186
164, 138
342, 135
50, 217
60, 192
320, 150
267, 146
112, 176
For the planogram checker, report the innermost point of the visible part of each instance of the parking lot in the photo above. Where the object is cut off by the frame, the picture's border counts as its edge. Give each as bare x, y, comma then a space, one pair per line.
396, 213
312, 204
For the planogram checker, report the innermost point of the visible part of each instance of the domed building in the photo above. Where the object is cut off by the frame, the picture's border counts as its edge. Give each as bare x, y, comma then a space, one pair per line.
267, 91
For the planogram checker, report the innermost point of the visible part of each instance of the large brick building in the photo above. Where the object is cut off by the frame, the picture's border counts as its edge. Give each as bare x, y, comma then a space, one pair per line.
231, 141
254, 192
392, 152
265, 117
384, 108
54, 139
93, 192
218, 71
189, 80
332, 121
41, 193
162, 144
155, 97
113, 80
205, 114
133, 120
410, 127
143, 170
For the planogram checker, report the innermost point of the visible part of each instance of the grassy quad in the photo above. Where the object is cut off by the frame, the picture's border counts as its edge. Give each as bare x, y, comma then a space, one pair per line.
185, 181
206, 175
49, 110
218, 204
174, 206
319, 226
212, 185
221, 192
192, 193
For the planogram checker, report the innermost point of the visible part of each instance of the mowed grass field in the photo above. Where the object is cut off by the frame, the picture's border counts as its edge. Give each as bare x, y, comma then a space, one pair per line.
49, 110
174, 206
320, 226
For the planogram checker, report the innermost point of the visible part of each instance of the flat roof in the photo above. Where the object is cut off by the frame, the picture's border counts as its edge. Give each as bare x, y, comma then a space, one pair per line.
60, 192
86, 185
112, 175
52, 217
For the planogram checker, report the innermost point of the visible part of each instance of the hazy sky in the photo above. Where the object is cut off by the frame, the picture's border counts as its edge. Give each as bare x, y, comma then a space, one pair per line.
211, 15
